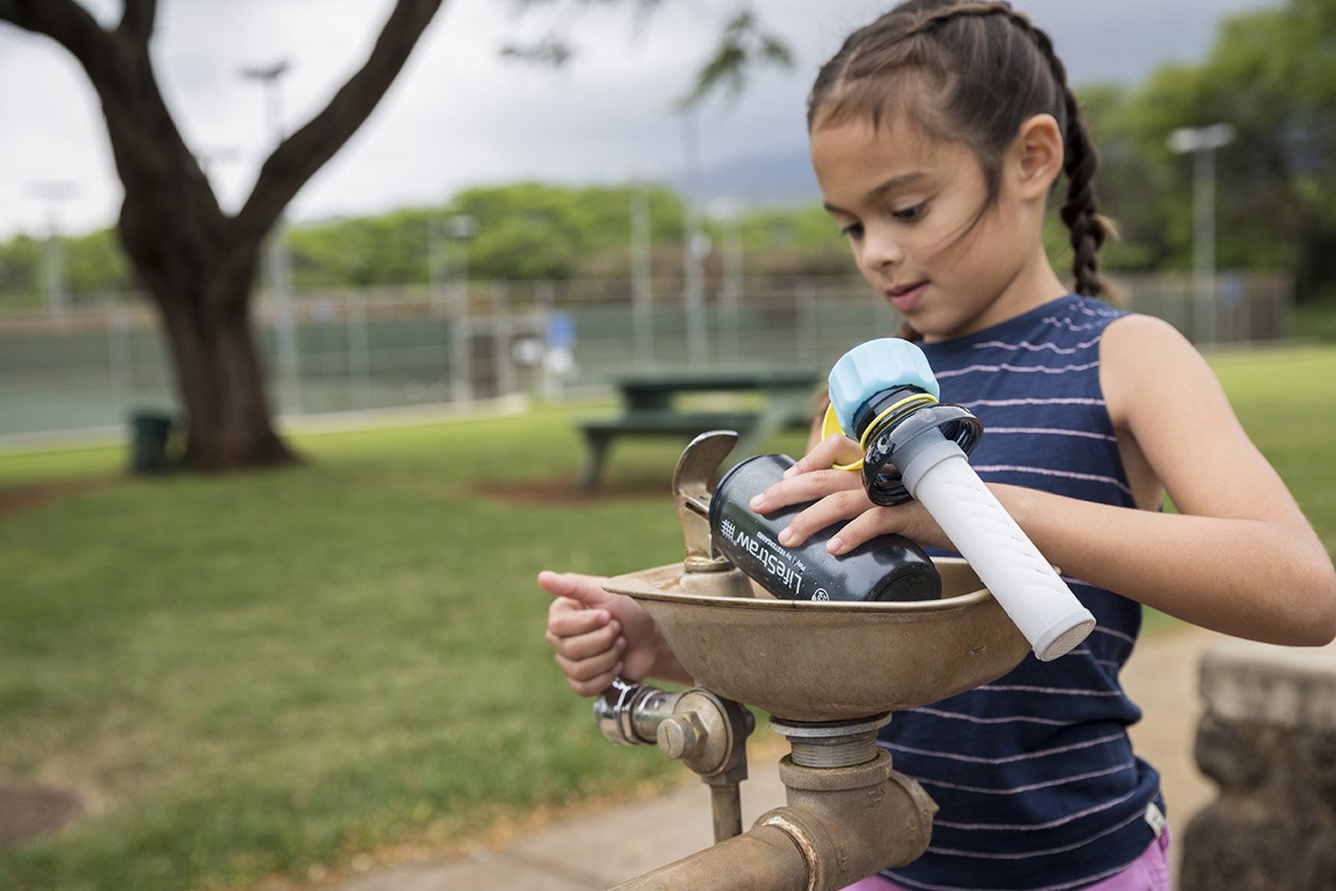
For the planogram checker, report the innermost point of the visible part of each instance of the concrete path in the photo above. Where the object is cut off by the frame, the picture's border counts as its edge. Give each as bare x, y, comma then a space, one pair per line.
602, 850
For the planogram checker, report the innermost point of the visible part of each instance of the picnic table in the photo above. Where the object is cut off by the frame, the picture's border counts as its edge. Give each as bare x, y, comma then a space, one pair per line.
651, 406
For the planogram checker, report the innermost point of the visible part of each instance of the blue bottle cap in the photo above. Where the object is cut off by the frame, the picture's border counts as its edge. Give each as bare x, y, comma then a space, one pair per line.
874, 367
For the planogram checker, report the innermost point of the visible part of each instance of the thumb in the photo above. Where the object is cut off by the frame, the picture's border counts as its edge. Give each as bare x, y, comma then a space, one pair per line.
834, 449
587, 590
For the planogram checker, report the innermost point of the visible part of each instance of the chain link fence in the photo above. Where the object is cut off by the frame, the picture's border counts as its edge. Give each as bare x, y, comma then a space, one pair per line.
374, 349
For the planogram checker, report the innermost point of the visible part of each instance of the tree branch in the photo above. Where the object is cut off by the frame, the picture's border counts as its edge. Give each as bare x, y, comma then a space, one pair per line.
303, 153
137, 19
65, 22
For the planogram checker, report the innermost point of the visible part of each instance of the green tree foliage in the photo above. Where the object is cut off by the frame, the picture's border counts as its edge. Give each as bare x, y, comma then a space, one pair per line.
533, 231
21, 267
1272, 75
525, 231
95, 265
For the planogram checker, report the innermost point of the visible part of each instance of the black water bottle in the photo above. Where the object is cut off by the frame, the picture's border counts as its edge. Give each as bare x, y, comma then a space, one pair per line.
888, 567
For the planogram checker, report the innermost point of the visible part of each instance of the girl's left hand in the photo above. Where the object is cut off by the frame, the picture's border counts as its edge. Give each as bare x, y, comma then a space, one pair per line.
839, 495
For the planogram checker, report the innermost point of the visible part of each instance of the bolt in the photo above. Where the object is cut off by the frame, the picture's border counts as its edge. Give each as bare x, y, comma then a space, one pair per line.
680, 736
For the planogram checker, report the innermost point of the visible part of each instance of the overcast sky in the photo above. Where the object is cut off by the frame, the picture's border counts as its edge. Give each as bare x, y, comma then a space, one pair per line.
458, 115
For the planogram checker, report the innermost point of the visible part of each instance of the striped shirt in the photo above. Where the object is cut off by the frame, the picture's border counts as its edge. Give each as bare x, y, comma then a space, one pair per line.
1034, 773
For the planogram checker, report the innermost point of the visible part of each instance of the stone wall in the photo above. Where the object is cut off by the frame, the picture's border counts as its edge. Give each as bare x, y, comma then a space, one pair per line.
1268, 738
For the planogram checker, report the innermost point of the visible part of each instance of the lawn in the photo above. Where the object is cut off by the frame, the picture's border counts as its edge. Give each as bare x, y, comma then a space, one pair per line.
267, 674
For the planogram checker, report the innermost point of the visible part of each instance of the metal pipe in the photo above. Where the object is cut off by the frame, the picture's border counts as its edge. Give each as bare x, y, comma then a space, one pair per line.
851, 824
764, 859
726, 808
843, 823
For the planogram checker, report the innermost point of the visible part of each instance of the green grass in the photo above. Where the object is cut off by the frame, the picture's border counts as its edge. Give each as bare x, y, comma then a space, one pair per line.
253, 674
1315, 319
1286, 400
260, 672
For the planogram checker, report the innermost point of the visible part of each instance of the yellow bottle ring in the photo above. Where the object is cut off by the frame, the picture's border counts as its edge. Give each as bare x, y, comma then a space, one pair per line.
831, 424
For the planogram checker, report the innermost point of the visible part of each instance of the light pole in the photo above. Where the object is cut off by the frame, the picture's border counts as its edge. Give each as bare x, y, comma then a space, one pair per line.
1201, 143
461, 228
280, 276
51, 194
729, 213
696, 245
642, 287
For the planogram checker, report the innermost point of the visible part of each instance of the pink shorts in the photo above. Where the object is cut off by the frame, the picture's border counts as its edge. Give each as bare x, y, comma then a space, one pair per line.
1149, 872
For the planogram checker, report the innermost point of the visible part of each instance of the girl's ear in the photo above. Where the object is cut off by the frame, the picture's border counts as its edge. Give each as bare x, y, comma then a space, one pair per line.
1037, 156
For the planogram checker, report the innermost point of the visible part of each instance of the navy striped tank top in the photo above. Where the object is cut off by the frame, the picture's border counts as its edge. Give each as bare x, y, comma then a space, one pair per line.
1034, 773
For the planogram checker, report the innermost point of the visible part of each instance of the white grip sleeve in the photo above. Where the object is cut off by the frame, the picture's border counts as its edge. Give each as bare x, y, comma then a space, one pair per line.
1006, 561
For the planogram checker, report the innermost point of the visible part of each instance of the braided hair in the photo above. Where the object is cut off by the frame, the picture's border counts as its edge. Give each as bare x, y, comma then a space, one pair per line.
986, 68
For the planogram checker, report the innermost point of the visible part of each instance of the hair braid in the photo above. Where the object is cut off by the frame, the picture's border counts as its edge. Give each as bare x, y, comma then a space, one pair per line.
1080, 213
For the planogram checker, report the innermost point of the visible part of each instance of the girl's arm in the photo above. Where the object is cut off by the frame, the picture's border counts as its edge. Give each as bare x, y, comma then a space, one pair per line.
1239, 558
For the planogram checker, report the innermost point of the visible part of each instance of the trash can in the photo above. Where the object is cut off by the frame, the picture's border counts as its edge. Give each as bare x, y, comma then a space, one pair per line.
149, 432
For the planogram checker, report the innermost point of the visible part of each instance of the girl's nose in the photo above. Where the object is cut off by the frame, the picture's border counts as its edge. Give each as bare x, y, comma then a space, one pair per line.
881, 250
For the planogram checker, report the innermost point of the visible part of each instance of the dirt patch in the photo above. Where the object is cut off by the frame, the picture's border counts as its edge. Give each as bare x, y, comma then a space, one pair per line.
18, 499
565, 492
32, 810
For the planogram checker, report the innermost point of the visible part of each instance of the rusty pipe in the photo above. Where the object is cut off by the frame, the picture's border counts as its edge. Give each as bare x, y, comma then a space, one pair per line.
852, 822
844, 824
725, 809
764, 859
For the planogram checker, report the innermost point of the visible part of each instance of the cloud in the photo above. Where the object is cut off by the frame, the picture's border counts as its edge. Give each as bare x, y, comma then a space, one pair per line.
458, 115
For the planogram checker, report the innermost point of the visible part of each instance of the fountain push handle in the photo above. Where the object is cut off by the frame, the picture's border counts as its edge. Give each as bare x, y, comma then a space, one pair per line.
915, 447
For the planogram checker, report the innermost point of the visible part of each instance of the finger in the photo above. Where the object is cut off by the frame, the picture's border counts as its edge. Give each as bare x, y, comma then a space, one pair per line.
834, 449
586, 669
832, 509
584, 589
571, 621
586, 646
805, 487
597, 685
865, 527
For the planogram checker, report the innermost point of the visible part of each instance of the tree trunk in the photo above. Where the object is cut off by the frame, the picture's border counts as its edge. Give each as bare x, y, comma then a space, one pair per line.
219, 377
198, 263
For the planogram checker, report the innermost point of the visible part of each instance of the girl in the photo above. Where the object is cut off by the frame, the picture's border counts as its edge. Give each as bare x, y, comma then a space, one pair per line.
937, 133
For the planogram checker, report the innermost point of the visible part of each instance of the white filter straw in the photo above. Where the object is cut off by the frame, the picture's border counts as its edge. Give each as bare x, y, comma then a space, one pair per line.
1006, 561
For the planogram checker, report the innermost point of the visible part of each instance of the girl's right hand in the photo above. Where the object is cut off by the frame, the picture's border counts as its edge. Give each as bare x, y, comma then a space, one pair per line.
597, 636
838, 497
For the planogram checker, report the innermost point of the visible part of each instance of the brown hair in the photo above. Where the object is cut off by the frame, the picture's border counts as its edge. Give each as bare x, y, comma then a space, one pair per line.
969, 72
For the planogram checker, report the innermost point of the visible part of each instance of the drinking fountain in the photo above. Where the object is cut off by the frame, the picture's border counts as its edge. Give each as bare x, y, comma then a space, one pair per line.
829, 673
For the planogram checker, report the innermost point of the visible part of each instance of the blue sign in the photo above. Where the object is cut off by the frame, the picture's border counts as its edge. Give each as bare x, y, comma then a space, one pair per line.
560, 329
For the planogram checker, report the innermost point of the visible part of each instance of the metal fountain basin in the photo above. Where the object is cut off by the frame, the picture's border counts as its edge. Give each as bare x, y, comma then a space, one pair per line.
832, 661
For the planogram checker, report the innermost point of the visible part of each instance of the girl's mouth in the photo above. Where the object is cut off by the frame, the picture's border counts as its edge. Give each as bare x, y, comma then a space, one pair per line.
904, 300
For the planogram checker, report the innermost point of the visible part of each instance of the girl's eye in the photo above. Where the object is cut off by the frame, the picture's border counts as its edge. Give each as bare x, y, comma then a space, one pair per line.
853, 230
911, 214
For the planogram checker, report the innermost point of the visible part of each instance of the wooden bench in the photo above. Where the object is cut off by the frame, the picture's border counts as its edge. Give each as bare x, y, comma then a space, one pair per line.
649, 409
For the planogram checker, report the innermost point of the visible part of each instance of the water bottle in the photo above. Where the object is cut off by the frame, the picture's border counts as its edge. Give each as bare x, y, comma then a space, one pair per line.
888, 567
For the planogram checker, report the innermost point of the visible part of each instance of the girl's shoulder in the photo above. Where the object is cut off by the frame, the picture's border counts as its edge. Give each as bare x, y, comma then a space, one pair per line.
1146, 349
1144, 360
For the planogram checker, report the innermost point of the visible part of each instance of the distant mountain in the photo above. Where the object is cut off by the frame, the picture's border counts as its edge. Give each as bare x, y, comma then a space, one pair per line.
773, 178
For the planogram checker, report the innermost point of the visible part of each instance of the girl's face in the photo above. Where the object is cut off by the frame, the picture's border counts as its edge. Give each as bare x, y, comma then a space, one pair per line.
910, 207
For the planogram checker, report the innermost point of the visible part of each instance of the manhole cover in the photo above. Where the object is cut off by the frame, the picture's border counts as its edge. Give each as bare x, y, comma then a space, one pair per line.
27, 811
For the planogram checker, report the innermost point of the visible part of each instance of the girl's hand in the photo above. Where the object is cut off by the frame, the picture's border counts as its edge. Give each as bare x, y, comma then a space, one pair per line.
597, 636
839, 495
